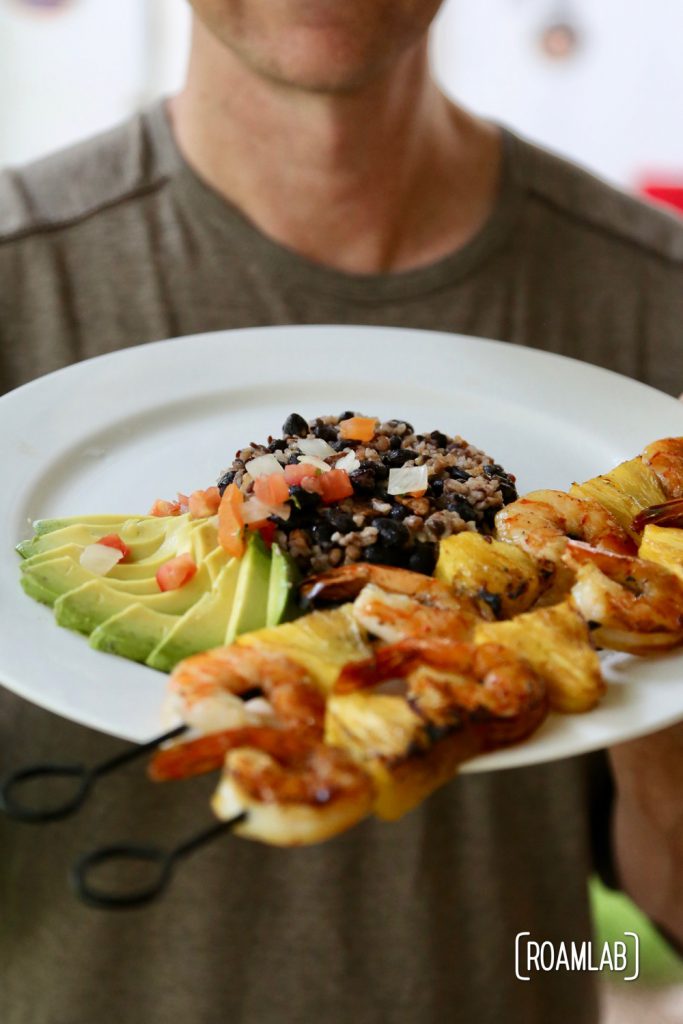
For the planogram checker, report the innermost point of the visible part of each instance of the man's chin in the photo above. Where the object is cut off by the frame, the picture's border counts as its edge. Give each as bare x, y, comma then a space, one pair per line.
329, 65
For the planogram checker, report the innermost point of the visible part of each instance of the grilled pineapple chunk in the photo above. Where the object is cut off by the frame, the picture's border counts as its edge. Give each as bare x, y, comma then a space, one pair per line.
663, 545
323, 642
383, 734
555, 642
624, 492
493, 572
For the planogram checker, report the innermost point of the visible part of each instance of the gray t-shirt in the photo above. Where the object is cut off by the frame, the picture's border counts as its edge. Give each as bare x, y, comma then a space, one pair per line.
117, 242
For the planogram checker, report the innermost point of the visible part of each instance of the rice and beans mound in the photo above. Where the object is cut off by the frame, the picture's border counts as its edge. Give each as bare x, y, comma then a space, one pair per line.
358, 489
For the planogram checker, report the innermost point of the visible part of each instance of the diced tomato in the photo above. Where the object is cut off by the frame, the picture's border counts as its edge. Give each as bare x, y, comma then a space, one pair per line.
297, 472
358, 428
204, 503
230, 522
176, 573
112, 540
267, 528
165, 508
272, 489
335, 485
183, 501
417, 494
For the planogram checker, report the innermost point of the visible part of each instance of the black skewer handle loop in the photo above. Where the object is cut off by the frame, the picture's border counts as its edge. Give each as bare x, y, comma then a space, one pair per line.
96, 896
14, 808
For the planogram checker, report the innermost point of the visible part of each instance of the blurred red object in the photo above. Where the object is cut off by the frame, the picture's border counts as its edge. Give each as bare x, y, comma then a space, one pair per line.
669, 193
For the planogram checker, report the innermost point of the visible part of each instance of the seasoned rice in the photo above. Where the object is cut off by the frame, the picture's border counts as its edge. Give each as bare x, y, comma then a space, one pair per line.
464, 491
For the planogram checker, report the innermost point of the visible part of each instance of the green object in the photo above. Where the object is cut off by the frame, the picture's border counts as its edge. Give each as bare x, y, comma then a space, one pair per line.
283, 577
143, 536
201, 627
613, 914
133, 632
91, 604
106, 523
251, 595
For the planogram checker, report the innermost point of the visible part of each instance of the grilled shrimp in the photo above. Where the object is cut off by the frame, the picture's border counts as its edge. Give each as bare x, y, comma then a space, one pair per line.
393, 617
450, 684
543, 522
235, 687
293, 788
631, 605
665, 459
346, 582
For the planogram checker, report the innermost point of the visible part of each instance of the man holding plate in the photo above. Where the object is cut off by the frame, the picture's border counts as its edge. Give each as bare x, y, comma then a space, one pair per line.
310, 171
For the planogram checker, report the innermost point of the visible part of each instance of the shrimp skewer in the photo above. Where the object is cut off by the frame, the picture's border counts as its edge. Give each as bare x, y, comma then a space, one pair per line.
631, 605
543, 522
346, 582
412, 714
235, 686
394, 604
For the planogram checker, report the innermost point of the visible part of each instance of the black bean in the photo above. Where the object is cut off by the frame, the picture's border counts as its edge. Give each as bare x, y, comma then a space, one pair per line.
295, 426
293, 459
322, 534
391, 532
458, 474
438, 438
399, 457
325, 432
304, 500
400, 512
341, 522
463, 509
435, 488
508, 491
378, 554
348, 415
423, 558
493, 470
226, 479
394, 442
277, 446
364, 478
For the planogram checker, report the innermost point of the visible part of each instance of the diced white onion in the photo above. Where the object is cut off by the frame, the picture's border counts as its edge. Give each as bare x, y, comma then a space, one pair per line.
253, 511
100, 558
408, 479
263, 465
350, 462
312, 460
315, 446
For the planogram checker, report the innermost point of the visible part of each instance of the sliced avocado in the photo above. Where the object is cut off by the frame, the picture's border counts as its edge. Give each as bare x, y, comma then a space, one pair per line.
201, 627
108, 523
94, 602
251, 595
143, 537
61, 574
48, 580
204, 539
72, 551
284, 576
132, 633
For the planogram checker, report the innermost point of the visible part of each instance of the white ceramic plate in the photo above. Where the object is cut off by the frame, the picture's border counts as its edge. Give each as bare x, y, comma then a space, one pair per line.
114, 433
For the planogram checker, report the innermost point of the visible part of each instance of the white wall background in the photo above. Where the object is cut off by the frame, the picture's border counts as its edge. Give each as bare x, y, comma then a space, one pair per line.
615, 105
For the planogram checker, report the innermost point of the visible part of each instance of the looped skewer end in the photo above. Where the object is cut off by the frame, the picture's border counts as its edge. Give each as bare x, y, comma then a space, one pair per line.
14, 807
152, 856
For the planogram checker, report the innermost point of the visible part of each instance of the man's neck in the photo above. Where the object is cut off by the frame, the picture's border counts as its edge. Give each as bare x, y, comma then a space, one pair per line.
386, 178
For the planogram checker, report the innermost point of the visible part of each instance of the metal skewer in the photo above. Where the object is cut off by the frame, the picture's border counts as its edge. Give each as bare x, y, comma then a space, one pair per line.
85, 778
165, 860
